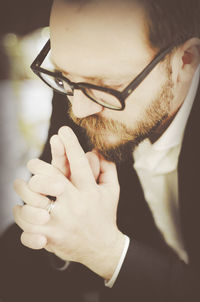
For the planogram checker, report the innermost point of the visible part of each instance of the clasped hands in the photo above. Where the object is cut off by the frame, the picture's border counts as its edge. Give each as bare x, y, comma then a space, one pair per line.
82, 226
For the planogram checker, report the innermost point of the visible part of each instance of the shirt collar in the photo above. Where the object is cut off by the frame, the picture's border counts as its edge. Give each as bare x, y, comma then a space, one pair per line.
174, 133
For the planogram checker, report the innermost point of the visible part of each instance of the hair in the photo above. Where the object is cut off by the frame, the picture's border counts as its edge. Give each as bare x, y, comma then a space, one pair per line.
168, 21
172, 21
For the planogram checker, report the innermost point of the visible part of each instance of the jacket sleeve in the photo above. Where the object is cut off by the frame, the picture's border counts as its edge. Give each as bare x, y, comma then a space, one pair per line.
150, 275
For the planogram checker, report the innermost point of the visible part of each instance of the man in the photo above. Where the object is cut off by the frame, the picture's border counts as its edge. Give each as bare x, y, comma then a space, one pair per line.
157, 44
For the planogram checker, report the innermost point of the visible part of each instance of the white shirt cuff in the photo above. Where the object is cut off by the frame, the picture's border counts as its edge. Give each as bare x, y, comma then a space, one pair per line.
111, 282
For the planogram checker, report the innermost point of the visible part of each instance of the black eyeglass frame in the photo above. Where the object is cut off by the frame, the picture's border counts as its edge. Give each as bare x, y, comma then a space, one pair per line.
120, 95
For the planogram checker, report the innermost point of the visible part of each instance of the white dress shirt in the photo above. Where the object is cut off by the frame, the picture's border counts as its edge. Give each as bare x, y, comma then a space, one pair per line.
156, 166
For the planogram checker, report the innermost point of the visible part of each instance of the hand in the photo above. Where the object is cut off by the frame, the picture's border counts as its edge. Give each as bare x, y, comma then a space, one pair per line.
82, 226
60, 160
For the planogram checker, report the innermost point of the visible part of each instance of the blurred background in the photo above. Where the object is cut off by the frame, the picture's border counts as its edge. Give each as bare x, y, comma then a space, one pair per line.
25, 102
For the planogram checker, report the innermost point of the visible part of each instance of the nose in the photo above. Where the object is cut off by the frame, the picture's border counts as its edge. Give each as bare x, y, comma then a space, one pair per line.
82, 106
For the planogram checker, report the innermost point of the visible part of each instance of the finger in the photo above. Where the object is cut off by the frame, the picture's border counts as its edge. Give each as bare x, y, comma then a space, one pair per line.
94, 163
48, 185
81, 173
34, 215
25, 226
37, 166
33, 241
108, 174
28, 196
59, 158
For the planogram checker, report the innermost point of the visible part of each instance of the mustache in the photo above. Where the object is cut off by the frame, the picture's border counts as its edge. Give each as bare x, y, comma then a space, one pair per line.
101, 124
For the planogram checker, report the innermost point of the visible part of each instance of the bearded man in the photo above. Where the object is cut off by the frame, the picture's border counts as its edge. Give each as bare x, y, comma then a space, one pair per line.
128, 72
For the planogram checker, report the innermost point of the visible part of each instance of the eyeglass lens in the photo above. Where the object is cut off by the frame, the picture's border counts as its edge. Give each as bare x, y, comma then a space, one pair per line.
101, 97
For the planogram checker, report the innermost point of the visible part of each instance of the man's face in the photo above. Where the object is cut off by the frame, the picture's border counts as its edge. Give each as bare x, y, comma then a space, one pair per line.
107, 45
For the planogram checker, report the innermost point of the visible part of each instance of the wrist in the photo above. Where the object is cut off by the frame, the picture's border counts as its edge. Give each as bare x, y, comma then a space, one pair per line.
114, 257
109, 256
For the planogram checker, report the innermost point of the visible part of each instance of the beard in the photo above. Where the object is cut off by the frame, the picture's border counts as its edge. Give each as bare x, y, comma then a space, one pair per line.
114, 140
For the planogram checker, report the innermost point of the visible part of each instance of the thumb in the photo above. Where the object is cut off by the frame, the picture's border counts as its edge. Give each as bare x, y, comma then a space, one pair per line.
59, 158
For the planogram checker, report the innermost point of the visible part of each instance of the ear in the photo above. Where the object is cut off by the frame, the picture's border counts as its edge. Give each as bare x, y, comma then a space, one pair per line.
186, 60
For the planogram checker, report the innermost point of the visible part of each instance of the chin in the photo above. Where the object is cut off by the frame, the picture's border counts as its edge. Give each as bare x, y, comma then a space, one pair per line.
111, 140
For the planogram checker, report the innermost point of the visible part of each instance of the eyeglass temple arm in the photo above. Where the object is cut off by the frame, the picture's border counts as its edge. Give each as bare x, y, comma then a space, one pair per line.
133, 85
43, 53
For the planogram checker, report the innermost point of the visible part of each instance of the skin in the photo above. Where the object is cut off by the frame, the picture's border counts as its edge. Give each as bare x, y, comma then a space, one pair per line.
82, 226
153, 104
74, 231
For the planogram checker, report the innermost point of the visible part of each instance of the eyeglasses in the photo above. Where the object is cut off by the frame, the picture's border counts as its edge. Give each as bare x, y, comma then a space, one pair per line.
106, 97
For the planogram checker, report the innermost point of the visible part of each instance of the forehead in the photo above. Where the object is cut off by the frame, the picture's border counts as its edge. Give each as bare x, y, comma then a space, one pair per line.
99, 37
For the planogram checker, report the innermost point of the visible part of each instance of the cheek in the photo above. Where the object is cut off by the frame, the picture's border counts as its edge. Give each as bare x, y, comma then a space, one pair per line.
144, 95
140, 100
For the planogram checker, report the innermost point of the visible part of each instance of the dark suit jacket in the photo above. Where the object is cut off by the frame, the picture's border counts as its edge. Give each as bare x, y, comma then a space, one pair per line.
151, 271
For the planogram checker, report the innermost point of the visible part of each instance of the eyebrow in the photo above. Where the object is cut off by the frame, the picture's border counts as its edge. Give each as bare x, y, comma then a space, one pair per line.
98, 79
85, 77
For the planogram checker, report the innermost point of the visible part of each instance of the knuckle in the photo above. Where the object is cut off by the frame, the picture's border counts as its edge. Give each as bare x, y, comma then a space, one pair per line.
32, 184
33, 241
35, 215
42, 202
56, 238
58, 187
26, 213
32, 163
42, 217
